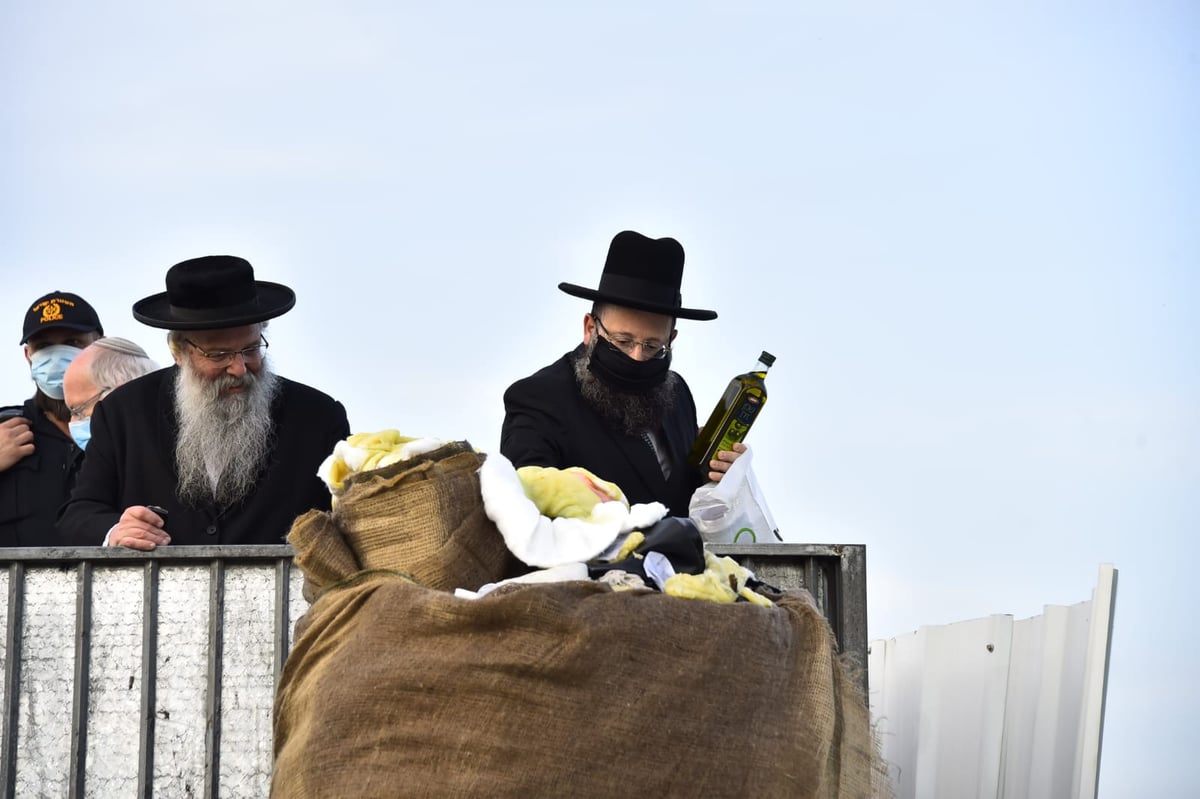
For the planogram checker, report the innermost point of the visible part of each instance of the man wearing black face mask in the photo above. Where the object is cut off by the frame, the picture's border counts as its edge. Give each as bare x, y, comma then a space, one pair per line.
613, 405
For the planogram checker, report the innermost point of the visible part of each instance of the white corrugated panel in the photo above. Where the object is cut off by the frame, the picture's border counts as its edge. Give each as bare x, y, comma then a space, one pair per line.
997, 709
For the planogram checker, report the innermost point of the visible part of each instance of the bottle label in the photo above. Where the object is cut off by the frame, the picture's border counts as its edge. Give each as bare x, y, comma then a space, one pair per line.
749, 410
739, 425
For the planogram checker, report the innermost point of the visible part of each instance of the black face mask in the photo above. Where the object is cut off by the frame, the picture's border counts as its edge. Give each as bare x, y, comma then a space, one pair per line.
617, 370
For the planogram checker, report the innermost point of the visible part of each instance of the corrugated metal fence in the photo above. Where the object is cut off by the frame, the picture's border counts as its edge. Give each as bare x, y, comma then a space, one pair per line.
994, 708
153, 674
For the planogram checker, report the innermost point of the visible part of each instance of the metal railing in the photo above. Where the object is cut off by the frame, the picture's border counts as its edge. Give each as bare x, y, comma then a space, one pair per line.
154, 674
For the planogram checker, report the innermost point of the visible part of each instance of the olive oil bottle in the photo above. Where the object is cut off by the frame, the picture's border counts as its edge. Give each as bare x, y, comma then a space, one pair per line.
735, 412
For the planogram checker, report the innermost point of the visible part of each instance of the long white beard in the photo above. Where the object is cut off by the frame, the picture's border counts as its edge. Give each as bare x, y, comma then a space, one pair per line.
223, 441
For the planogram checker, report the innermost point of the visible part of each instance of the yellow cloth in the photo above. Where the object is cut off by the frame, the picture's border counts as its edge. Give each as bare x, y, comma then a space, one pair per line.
569, 493
723, 580
363, 452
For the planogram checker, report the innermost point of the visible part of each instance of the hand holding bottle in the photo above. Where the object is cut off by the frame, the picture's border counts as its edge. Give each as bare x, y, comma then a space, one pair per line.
723, 460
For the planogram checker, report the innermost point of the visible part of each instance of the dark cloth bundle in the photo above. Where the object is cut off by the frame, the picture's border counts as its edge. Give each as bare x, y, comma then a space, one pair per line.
675, 538
396, 688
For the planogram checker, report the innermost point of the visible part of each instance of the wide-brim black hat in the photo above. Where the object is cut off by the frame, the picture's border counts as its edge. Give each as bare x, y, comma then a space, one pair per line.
211, 293
644, 274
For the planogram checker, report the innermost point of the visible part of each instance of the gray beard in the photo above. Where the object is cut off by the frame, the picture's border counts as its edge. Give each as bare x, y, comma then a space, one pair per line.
632, 414
223, 441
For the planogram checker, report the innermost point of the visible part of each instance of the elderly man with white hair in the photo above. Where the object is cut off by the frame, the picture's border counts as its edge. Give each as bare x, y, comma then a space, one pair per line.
218, 449
102, 366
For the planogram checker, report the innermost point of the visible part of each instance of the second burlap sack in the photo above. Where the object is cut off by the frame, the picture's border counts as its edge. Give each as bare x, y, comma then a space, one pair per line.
423, 517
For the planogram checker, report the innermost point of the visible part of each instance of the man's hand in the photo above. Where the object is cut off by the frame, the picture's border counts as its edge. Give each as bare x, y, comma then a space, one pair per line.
139, 528
725, 458
16, 441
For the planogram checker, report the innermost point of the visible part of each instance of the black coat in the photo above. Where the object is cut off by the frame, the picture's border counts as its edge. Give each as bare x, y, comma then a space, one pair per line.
547, 422
34, 488
131, 461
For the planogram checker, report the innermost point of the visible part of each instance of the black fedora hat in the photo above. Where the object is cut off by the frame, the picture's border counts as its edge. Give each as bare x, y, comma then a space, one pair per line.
211, 293
644, 274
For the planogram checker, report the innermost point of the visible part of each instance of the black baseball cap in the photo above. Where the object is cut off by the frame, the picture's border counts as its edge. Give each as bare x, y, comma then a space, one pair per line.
60, 309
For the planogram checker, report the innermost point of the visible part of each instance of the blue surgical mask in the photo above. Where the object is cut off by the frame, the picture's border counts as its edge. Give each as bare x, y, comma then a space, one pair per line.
81, 431
48, 365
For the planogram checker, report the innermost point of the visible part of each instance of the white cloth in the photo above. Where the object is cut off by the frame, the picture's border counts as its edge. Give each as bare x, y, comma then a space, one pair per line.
543, 542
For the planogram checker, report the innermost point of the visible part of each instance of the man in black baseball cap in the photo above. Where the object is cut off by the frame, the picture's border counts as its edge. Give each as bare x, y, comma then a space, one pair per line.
38, 458
61, 310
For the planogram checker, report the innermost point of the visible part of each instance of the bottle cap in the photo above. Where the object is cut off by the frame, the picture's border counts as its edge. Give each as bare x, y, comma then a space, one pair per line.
767, 358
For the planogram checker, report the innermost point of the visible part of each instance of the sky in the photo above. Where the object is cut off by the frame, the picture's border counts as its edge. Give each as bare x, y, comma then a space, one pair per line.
967, 230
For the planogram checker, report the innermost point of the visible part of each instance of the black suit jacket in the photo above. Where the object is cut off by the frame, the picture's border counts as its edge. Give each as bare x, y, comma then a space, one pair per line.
547, 422
131, 461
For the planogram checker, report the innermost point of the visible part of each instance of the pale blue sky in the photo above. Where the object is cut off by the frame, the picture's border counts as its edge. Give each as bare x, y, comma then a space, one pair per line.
969, 232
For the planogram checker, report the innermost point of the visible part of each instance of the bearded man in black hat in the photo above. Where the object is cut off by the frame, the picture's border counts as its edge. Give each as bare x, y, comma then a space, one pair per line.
38, 459
613, 405
217, 449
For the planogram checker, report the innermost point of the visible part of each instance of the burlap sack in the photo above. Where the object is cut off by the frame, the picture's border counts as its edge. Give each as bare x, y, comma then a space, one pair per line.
424, 517
395, 689
566, 689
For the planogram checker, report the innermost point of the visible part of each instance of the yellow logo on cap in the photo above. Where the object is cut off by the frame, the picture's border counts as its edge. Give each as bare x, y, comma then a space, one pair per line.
51, 313
52, 309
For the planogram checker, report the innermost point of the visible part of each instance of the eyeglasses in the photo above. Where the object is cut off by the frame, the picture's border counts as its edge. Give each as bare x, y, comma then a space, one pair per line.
79, 410
628, 344
225, 357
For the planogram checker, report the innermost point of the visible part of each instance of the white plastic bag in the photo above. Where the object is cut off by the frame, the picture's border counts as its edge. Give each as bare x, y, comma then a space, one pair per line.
733, 511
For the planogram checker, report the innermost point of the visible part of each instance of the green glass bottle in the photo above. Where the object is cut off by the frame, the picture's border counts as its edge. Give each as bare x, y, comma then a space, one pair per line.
735, 412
